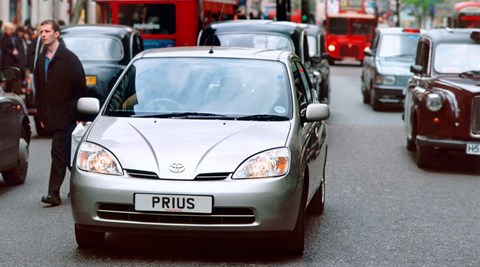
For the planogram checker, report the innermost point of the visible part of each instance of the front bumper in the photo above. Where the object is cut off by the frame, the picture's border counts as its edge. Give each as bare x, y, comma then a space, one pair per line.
444, 144
389, 94
254, 207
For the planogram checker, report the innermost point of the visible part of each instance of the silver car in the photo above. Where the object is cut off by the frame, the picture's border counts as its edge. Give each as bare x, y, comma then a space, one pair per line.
203, 140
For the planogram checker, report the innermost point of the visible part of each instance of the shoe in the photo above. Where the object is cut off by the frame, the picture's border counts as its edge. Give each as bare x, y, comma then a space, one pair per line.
53, 200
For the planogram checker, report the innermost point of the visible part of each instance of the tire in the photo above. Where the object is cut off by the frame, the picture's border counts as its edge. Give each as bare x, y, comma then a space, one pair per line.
294, 242
89, 239
424, 157
40, 130
366, 95
17, 174
317, 204
374, 101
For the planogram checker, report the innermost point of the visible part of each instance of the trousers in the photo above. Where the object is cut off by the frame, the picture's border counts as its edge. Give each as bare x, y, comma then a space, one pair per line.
60, 153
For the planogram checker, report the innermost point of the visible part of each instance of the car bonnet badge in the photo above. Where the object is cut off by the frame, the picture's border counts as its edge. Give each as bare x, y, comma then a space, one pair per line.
176, 167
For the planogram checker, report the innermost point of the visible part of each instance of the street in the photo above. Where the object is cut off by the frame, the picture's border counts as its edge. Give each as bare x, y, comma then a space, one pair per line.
381, 209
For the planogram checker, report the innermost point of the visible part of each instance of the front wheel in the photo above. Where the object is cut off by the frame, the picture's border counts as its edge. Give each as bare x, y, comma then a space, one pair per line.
88, 239
17, 174
317, 204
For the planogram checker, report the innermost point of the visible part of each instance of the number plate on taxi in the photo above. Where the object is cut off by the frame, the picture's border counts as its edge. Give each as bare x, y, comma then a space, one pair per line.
173, 203
473, 149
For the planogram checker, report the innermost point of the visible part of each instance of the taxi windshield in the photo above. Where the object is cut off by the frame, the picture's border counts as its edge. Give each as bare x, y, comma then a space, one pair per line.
95, 47
257, 40
457, 58
398, 45
158, 87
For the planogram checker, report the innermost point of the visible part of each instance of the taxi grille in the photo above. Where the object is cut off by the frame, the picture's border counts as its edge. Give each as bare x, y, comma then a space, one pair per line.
220, 216
401, 80
475, 124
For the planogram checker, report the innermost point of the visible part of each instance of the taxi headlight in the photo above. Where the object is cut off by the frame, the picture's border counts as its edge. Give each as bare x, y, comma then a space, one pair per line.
434, 102
94, 158
271, 163
385, 79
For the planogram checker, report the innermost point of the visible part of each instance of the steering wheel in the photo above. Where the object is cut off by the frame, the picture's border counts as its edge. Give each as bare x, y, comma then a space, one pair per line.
163, 104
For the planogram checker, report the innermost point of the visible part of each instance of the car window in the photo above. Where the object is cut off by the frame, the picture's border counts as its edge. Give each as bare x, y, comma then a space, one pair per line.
257, 40
423, 55
456, 58
395, 45
96, 48
230, 87
302, 86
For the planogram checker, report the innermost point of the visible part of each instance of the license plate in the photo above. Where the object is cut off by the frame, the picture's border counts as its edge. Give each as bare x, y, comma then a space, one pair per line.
173, 203
473, 149
91, 80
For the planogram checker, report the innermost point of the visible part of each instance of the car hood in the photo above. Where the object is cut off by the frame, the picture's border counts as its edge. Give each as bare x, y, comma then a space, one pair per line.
200, 146
471, 85
394, 67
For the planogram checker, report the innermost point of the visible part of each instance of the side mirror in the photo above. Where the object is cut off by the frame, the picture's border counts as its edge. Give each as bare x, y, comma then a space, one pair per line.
88, 105
315, 60
9, 74
368, 52
317, 112
416, 69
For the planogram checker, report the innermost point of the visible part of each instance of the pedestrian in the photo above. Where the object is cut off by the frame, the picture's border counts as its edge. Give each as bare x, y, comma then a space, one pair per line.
9, 52
22, 47
60, 82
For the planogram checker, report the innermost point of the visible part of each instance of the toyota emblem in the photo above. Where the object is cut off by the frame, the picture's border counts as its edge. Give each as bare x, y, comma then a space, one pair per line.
177, 167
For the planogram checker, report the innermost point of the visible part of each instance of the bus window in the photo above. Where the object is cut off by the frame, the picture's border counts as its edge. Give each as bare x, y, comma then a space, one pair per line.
149, 18
338, 26
362, 27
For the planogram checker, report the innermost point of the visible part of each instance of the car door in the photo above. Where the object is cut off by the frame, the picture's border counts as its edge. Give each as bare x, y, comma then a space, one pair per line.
10, 130
313, 133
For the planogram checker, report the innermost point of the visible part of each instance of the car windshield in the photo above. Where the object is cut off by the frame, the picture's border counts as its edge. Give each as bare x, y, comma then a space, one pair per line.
202, 88
257, 40
95, 47
457, 58
398, 45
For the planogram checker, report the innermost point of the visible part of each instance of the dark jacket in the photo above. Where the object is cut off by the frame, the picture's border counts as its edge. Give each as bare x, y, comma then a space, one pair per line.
8, 45
57, 97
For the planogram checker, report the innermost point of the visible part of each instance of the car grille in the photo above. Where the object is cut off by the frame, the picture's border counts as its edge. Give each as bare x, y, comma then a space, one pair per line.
220, 216
475, 124
401, 80
200, 177
349, 51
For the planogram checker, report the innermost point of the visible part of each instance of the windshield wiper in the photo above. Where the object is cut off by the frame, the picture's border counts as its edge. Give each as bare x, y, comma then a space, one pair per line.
263, 117
183, 115
469, 73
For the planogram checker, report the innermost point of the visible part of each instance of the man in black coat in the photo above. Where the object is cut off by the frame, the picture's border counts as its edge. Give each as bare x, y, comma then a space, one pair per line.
60, 82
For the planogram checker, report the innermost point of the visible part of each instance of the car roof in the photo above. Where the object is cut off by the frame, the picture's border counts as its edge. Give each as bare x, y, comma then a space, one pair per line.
218, 52
398, 30
447, 35
94, 29
281, 27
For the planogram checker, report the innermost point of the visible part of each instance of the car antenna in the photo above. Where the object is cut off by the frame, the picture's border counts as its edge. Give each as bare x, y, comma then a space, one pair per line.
219, 19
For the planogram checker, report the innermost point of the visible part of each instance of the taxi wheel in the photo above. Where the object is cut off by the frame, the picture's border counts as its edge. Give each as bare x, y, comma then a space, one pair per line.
366, 96
88, 239
17, 174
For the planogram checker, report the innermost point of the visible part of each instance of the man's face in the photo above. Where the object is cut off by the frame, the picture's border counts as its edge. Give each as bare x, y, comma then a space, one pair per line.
48, 35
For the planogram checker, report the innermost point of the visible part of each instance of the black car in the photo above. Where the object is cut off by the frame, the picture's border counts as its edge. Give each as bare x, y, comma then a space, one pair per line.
268, 34
14, 134
104, 50
319, 59
386, 66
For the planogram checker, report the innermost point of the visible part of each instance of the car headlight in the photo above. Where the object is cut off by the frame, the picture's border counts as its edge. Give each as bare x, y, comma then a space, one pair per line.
271, 163
387, 80
94, 158
434, 102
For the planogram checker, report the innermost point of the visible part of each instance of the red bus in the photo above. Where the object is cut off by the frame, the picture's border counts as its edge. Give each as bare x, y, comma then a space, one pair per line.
165, 23
349, 28
467, 15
